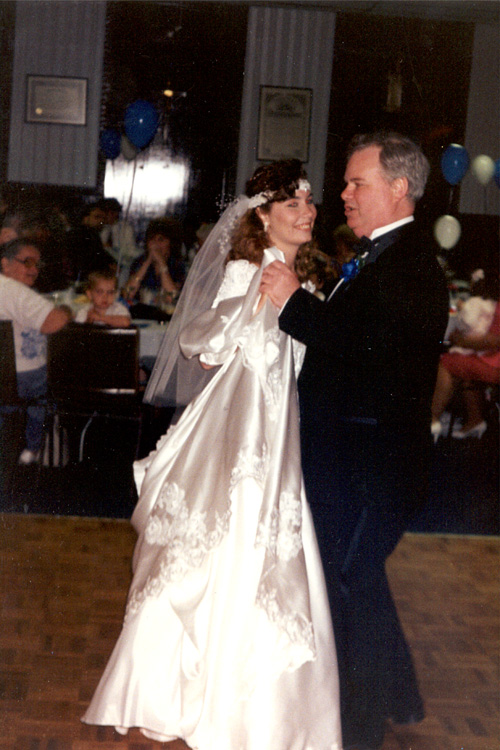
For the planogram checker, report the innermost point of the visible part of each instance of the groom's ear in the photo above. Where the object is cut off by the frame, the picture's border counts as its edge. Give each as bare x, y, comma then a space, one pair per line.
399, 187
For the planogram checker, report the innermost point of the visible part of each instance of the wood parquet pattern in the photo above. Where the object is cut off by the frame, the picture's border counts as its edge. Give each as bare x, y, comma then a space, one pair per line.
63, 588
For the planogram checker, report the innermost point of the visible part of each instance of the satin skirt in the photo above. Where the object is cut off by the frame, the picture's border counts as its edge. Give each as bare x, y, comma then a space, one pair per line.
227, 641
216, 687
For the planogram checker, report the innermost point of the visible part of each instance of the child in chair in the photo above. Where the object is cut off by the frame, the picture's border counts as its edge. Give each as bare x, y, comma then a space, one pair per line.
103, 307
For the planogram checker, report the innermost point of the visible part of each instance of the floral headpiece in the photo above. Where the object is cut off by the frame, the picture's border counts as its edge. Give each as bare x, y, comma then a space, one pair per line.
268, 195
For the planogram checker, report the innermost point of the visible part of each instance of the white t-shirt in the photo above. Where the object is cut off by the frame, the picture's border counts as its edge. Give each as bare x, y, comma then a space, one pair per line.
115, 309
27, 309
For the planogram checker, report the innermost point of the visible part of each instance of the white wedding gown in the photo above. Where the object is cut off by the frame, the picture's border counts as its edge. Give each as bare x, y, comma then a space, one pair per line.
227, 640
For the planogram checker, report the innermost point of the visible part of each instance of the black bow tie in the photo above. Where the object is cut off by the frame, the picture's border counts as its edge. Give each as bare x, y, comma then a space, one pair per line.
364, 245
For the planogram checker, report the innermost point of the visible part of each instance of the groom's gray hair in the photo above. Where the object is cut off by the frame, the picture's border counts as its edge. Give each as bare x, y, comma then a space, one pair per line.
399, 157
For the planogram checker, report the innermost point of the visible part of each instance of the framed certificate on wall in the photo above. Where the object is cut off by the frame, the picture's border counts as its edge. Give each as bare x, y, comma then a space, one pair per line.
284, 123
56, 99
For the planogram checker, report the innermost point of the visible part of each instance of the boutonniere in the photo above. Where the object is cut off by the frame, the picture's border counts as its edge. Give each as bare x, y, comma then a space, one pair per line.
353, 267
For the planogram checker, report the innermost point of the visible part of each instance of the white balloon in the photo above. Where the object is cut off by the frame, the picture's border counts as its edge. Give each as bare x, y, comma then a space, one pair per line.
483, 168
447, 231
129, 151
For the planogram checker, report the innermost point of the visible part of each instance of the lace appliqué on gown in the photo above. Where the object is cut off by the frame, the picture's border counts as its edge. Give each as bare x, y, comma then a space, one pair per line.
237, 277
249, 466
282, 537
184, 536
298, 629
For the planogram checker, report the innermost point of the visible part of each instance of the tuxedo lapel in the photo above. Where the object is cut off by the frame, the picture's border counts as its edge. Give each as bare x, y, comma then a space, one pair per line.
382, 243
377, 247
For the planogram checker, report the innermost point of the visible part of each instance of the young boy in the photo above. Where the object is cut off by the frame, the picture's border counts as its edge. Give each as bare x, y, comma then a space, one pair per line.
103, 308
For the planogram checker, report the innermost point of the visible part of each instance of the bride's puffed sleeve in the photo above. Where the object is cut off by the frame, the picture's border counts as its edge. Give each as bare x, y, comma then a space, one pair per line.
212, 334
237, 278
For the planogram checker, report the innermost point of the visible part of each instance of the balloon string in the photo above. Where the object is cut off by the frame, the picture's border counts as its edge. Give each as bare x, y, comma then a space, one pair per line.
131, 189
119, 261
450, 200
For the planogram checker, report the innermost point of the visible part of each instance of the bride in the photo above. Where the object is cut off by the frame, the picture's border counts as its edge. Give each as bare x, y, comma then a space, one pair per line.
227, 641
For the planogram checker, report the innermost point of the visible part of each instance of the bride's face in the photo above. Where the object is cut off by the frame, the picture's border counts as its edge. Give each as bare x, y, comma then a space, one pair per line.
290, 223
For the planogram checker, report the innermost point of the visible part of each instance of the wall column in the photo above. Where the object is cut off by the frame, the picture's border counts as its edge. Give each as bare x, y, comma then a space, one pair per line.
289, 47
483, 118
56, 38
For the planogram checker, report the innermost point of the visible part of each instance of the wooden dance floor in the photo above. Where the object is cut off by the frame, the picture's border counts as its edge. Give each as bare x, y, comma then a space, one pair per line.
64, 583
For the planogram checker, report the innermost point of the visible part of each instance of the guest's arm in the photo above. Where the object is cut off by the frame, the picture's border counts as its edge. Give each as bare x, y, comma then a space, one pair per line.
116, 321
55, 320
136, 278
163, 271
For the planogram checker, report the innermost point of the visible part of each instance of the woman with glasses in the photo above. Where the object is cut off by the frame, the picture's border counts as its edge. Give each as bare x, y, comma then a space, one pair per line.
33, 317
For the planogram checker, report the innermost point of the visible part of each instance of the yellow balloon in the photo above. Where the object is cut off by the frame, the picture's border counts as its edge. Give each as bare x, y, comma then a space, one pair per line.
483, 168
447, 231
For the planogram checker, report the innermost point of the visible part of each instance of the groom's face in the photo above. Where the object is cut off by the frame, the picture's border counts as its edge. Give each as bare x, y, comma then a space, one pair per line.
369, 198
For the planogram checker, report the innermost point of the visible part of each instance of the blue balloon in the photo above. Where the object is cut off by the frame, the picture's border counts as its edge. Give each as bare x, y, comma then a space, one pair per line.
496, 173
454, 163
141, 121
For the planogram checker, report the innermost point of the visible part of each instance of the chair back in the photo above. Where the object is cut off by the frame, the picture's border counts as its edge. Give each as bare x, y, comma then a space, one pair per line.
86, 362
8, 378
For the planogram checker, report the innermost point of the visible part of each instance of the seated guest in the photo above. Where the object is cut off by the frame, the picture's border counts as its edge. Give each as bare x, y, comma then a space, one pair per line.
33, 317
85, 248
158, 274
37, 225
103, 307
474, 356
118, 238
44, 227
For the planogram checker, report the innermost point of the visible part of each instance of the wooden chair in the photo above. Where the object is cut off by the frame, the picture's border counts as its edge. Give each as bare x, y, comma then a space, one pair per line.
8, 379
11, 404
93, 372
9, 401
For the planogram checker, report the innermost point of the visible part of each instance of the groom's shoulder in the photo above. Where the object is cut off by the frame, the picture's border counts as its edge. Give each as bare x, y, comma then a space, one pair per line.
413, 241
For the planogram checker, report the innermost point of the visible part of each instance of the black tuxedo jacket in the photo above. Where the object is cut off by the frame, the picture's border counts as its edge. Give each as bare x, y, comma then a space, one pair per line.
370, 365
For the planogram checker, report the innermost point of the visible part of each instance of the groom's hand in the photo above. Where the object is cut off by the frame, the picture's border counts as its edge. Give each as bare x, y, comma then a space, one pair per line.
279, 282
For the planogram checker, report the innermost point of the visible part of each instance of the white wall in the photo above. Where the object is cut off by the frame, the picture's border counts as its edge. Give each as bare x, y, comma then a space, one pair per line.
287, 47
56, 38
483, 120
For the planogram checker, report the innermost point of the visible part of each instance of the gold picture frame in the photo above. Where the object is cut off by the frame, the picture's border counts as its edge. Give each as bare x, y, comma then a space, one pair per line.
56, 99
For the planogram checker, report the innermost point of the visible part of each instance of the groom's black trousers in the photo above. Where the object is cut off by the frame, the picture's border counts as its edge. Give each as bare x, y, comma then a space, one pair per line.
362, 493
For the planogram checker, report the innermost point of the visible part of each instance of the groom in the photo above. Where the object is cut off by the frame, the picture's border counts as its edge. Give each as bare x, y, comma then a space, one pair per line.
365, 391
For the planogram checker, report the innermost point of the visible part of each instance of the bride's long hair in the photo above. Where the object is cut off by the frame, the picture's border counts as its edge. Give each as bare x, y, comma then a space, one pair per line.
280, 180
